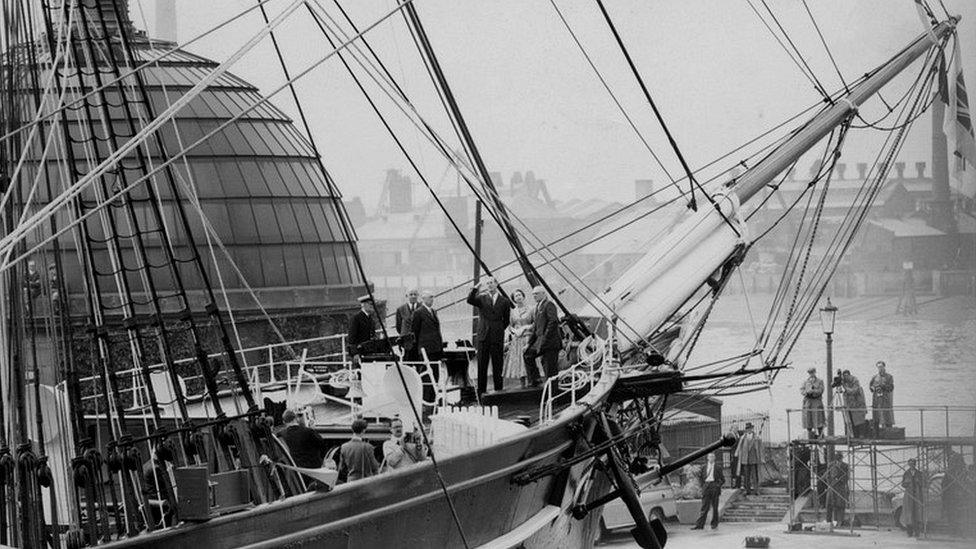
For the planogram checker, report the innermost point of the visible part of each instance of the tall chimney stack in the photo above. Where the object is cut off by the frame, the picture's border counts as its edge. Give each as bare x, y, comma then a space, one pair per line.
920, 168
862, 170
166, 20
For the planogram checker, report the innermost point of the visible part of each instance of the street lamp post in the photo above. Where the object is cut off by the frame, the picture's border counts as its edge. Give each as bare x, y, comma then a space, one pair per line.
827, 316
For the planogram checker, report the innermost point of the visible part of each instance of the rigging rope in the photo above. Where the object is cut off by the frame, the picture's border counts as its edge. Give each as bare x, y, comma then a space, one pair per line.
71, 105
77, 187
826, 47
613, 96
809, 76
657, 113
347, 231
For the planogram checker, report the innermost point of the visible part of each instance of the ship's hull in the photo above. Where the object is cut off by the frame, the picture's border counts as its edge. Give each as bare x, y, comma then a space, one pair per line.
407, 508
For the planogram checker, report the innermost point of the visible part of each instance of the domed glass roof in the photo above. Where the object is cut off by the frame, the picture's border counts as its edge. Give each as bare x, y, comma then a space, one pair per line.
258, 181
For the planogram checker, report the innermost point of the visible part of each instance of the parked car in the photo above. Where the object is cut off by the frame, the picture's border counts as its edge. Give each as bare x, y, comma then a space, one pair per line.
933, 502
657, 499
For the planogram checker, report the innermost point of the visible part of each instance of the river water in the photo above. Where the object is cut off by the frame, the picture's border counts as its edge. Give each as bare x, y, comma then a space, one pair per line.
931, 355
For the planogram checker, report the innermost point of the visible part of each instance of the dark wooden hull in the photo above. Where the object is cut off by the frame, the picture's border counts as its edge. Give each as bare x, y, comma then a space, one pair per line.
407, 508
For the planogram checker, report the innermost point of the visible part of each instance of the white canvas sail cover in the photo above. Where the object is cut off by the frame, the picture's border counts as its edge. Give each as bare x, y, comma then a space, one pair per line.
671, 271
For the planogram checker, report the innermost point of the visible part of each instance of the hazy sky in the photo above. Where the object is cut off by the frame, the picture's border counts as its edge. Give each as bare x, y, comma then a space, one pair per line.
532, 102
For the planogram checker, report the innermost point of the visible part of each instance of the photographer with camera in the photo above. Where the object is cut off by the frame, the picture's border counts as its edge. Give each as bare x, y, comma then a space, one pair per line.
855, 406
401, 450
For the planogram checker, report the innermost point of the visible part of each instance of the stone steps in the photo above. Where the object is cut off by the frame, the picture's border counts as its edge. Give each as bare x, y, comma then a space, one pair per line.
769, 506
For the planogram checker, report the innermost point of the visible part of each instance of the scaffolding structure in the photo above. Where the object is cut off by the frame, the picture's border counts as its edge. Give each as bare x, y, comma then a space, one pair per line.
941, 440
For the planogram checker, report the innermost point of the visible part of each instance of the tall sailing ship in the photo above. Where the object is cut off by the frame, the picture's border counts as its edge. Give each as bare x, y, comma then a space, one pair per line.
137, 349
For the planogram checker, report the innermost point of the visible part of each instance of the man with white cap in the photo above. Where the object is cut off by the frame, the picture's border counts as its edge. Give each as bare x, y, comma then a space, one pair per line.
813, 408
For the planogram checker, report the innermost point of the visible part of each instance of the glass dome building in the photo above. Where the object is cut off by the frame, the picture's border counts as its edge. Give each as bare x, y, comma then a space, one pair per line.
258, 181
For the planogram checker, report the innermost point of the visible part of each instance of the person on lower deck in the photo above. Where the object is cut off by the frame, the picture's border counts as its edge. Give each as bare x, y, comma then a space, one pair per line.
546, 339
711, 478
306, 446
356, 457
157, 491
399, 450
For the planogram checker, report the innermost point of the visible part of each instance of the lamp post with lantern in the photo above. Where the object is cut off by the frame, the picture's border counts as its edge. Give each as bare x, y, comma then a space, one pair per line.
827, 315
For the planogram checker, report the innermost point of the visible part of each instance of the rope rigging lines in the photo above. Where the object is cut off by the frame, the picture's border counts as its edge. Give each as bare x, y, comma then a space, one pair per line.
803, 289
657, 113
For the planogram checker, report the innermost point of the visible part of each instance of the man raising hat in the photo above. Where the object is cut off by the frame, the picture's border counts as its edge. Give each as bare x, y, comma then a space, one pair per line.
813, 408
749, 451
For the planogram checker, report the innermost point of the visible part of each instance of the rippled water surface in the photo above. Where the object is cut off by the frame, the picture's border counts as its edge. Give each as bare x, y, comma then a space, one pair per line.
931, 355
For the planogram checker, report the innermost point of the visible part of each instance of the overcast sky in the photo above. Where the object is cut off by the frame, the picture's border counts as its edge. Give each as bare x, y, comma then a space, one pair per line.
533, 103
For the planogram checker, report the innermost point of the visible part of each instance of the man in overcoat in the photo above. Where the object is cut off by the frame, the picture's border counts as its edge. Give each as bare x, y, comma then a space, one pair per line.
426, 328
750, 453
546, 339
404, 326
882, 388
813, 408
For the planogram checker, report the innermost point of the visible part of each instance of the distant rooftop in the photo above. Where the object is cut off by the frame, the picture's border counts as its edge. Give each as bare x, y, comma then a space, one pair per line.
906, 228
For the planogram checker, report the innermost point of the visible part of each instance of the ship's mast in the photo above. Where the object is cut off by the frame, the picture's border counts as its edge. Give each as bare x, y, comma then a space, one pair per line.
497, 206
703, 242
783, 157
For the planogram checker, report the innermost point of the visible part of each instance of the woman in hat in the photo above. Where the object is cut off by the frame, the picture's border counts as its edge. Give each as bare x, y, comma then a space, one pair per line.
813, 408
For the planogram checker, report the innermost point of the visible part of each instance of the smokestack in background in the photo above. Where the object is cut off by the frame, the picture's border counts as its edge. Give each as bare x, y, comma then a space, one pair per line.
166, 20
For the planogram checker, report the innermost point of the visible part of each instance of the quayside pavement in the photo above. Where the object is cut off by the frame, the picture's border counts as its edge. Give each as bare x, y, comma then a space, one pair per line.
732, 535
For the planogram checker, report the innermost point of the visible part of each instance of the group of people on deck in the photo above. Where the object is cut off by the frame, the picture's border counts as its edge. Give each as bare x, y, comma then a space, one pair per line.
356, 458
851, 402
514, 338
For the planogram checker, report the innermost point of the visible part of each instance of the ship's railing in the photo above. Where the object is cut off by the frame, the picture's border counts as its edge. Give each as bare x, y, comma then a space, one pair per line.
342, 375
919, 422
571, 384
268, 371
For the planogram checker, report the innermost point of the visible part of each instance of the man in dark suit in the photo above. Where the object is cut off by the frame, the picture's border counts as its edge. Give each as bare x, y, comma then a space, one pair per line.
426, 327
362, 328
546, 339
711, 478
493, 315
404, 326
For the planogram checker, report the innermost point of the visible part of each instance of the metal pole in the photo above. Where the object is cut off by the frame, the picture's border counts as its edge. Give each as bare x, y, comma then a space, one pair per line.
477, 265
830, 385
874, 485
